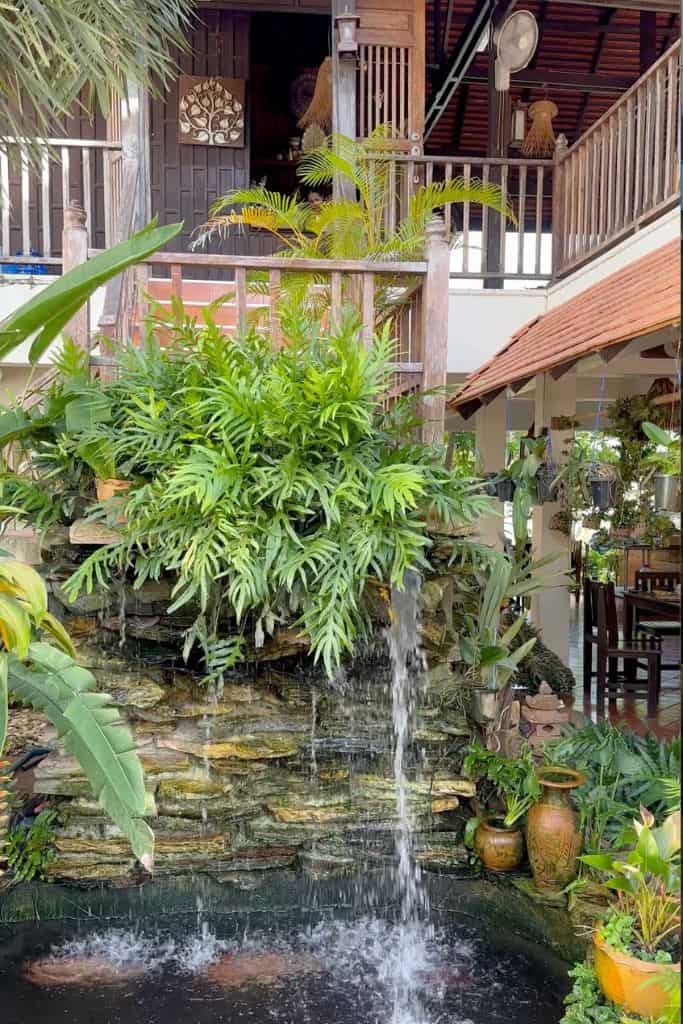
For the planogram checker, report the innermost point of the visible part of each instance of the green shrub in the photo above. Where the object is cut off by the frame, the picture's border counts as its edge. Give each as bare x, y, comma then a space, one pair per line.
271, 483
30, 847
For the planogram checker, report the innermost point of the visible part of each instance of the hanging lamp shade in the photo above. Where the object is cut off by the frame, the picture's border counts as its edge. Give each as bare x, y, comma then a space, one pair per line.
319, 110
540, 139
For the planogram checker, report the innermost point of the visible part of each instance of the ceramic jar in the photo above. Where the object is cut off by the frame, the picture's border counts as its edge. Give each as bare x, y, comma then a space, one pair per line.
553, 839
499, 848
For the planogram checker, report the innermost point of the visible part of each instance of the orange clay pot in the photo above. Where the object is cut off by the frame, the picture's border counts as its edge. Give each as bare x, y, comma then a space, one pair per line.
110, 488
499, 848
552, 838
637, 985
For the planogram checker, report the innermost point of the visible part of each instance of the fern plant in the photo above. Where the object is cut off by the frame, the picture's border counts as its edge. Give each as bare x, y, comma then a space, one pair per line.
38, 667
270, 483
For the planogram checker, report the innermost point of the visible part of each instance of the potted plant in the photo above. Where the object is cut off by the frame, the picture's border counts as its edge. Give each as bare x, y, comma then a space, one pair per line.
497, 838
627, 517
505, 486
635, 943
530, 471
665, 467
487, 653
603, 480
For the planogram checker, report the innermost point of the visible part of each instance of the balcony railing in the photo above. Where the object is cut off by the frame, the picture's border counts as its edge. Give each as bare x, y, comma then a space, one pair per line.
37, 182
623, 172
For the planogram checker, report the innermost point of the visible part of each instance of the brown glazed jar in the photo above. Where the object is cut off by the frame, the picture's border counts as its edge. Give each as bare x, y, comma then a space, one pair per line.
552, 839
499, 848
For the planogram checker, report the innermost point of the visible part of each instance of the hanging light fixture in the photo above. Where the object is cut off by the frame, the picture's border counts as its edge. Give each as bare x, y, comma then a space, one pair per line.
347, 34
518, 125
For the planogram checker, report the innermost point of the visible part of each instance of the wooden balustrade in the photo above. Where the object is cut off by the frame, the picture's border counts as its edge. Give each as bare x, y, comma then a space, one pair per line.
491, 246
624, 171
39, 179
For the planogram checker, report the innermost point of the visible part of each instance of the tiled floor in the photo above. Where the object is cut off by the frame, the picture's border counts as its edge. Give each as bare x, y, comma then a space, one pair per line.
667, 721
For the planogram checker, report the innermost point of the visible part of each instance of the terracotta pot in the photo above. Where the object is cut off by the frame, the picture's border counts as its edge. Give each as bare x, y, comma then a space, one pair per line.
498, 847
553, 841
640, 987
110, 488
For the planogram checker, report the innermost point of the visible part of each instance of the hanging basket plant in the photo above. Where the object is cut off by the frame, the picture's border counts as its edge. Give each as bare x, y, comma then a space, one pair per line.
603, 480
505, 488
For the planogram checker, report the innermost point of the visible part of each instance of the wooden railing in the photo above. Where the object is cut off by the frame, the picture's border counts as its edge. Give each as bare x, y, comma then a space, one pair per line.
493, 246
417, 292
623, 172
39, 179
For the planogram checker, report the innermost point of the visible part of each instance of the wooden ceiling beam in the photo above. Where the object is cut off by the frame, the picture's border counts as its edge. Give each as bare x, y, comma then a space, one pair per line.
604, 21
606, 85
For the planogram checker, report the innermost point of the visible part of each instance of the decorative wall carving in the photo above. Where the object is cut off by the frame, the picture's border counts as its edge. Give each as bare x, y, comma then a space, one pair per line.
211, 111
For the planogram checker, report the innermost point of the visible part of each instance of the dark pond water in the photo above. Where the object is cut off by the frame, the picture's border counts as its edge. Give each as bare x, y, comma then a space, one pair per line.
274, 970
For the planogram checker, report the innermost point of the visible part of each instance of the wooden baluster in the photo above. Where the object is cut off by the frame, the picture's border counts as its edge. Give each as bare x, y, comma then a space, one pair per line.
448, 174
241, 297
484, 224
45, 212
619, 170
658, 155
362, 63
671, 118
65, 158
402, 94
648, 152
25, 204
378, 87
539, 219
602, 201
610, 176
176, 281
336, 294
110, 229
5, 200
559, 200
87, 190
368, 308
638, 152
74, 253
467, 174
435, 329
274, 285
521, 217
630, 157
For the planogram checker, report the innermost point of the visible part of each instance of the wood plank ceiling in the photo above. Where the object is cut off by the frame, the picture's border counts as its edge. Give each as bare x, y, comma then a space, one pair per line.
576, 41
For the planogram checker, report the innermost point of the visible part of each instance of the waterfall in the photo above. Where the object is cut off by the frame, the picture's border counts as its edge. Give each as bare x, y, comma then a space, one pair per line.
414, 929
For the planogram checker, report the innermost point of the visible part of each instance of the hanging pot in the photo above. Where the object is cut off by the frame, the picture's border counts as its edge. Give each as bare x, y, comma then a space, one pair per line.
543, 481
490, 480
505, 489
499, 848
604, 493
553, 840
667, 493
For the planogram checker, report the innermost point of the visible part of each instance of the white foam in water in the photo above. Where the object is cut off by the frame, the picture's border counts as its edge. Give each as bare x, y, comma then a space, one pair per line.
151, 952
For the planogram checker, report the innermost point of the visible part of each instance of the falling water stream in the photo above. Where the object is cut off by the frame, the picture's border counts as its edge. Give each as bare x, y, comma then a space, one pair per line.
414, 901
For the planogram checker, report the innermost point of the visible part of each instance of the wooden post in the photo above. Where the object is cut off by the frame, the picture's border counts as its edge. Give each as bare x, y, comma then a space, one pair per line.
343, 94
75, 252
435, 329
558, 199
491, 434
493, 246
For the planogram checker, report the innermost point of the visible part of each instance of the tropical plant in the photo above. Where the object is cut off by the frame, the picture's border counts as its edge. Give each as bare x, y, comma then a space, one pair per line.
56, 55
647, 881
511, 779
602, 565
585, 1004
541, 664
339, 228
269, 483
38, 667
621, 771
486, 647
30, 846
666, 459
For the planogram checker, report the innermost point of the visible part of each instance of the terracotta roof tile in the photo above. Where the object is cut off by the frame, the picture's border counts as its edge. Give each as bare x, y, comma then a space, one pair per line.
638, 299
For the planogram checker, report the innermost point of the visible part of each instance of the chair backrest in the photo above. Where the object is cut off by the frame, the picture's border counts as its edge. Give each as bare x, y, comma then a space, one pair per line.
589, 619
604, 606
657, 579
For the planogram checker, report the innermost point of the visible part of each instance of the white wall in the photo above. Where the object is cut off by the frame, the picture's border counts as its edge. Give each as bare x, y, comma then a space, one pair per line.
480, 322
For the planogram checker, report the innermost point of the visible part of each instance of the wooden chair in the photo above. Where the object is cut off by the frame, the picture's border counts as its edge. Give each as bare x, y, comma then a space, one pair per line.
590, 636
646, 580
611, 650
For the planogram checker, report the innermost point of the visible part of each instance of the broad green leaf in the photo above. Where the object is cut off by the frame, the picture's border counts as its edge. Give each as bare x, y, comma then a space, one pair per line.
93, 731
29, 586
84, 411
657, 434
50, 311
15, 625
